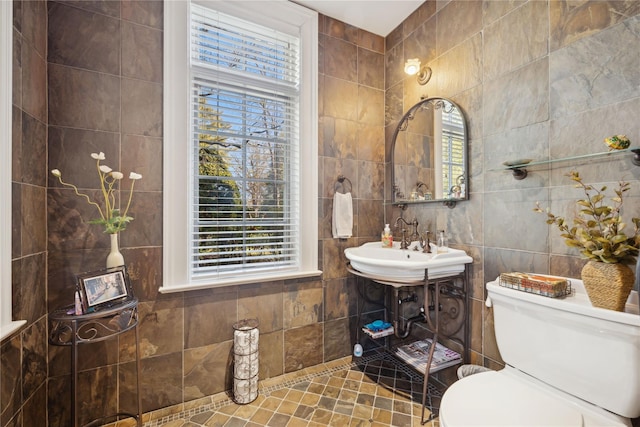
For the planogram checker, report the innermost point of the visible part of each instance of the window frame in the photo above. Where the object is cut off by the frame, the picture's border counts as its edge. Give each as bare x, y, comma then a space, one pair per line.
7, 325
177, 231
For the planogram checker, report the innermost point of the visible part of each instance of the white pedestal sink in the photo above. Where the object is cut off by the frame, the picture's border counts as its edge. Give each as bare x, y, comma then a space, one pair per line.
405, 267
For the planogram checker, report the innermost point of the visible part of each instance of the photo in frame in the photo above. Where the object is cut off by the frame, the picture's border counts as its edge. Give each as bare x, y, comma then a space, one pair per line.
104, 288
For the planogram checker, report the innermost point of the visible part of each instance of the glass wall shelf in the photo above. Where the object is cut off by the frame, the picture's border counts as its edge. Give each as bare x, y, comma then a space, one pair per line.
404, 204
519, 167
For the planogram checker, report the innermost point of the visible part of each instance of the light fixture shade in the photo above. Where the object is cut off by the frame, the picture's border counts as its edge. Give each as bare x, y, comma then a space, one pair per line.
412, 66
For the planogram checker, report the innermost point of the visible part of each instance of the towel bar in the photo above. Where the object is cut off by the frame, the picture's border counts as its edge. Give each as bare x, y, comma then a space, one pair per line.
341, 184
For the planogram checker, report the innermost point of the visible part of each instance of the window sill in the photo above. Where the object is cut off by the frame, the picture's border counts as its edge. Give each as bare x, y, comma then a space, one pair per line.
10, 328
238, 281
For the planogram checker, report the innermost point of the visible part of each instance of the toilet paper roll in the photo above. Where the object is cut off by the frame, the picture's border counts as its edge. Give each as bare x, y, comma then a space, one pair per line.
245, 367
245, 391
246, 341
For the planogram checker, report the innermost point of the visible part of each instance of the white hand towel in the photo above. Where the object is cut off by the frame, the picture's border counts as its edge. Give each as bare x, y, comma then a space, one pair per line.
342, 223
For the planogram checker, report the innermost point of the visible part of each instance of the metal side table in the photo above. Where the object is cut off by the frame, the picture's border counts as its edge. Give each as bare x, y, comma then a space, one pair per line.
73, 330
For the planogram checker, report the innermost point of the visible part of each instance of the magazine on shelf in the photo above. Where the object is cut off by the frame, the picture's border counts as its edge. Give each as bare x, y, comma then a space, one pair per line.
380, 333
417, 353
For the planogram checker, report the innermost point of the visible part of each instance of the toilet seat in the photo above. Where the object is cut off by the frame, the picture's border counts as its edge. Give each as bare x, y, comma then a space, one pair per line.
509, 398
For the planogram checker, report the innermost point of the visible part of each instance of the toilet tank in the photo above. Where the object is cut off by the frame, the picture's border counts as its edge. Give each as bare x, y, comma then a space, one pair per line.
591, 353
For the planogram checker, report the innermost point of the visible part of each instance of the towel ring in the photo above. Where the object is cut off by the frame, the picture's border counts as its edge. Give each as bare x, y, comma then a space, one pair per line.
340, 184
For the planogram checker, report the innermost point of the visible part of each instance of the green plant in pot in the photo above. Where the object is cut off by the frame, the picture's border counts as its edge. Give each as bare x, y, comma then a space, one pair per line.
598, 231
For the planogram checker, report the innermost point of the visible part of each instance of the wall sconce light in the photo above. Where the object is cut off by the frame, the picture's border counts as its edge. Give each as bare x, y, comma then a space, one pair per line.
412, 66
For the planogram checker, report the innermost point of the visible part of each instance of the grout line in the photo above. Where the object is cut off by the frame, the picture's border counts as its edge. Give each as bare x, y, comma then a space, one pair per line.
288, 383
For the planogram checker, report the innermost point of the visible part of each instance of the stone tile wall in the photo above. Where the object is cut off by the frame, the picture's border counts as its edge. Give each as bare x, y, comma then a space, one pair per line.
23, 356
100, 80
351, 143
536, 79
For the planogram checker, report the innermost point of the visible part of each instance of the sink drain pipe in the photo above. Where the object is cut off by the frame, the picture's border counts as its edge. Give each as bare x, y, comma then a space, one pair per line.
406, 329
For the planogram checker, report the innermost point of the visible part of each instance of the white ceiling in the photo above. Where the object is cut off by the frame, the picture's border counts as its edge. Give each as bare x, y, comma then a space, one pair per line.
376, 16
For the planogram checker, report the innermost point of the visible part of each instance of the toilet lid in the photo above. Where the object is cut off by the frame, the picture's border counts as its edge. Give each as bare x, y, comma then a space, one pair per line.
501, 399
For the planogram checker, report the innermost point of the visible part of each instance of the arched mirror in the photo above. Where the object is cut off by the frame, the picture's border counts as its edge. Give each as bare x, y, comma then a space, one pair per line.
429, 154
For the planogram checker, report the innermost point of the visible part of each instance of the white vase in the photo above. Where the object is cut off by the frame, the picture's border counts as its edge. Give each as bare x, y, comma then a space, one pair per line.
115, 258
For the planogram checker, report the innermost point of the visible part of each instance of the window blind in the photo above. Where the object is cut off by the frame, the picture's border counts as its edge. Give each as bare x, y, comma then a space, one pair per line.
452, 148
245, 146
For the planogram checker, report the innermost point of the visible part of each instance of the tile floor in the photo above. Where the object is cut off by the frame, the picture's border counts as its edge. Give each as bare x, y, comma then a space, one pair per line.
374, 390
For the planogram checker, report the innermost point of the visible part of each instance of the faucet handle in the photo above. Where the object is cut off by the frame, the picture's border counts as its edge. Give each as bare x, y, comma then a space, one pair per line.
425, 243
404, 244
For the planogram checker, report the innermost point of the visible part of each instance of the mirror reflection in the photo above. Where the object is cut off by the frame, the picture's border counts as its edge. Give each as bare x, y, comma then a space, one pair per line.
429, 154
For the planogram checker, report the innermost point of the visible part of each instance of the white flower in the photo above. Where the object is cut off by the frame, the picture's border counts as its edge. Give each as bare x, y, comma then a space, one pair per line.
111, 217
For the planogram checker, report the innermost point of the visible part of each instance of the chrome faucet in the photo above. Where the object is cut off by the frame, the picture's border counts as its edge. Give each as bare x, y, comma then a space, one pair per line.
406, 242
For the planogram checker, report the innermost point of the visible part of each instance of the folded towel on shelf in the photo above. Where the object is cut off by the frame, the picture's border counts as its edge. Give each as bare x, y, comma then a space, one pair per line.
378, 325
342, 221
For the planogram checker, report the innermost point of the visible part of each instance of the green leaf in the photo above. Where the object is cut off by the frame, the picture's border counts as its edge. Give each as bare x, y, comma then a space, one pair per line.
619, 238
572, 243
591, 223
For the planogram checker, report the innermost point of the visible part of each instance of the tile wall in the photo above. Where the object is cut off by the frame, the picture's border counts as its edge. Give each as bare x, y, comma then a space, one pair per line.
535, 78
23, 356
101, 82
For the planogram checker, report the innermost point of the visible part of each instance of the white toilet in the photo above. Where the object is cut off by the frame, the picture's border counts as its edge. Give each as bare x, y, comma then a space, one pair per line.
567, 364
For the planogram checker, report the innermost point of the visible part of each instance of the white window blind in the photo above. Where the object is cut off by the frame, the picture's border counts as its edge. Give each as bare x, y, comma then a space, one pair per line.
245, 146
452, 149
240, 153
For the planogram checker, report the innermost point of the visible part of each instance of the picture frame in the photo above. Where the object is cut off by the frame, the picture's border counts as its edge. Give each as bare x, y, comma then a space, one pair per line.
104, 288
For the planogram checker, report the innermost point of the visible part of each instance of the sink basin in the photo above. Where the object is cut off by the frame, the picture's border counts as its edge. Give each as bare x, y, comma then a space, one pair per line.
404, 267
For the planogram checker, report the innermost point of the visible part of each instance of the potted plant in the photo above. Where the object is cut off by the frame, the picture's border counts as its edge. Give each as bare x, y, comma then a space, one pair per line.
598, 231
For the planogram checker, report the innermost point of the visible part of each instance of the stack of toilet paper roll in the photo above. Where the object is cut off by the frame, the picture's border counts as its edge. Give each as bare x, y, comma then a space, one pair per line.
245, 361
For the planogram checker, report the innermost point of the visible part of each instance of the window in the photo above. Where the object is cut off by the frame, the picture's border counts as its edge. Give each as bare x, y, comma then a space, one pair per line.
7, 325
452, 152
450, 174
240, 143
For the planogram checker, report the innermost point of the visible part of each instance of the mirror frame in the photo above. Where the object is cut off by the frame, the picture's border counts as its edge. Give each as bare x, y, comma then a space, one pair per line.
437, 102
